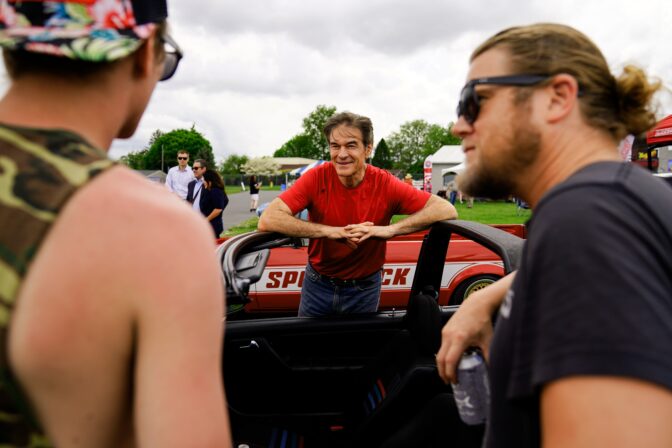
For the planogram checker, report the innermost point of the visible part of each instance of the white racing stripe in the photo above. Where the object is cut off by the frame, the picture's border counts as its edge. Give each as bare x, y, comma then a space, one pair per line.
396, 276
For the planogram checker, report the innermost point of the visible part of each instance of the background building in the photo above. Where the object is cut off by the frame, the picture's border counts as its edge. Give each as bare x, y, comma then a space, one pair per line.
157, 176
446, 157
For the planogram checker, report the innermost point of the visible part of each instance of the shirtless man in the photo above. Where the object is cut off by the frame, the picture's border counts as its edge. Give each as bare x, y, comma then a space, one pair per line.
102, 344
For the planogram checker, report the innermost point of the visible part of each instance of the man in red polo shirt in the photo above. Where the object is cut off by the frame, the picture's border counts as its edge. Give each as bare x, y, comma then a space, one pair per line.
350, 205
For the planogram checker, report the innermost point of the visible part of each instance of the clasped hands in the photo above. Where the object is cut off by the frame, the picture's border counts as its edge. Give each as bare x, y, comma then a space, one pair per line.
355, 234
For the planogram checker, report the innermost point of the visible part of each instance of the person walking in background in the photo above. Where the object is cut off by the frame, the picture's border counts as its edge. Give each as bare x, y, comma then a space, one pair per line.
179, 176
452, 191
214, 201
254, 193
101, 341
195, 187
408, 179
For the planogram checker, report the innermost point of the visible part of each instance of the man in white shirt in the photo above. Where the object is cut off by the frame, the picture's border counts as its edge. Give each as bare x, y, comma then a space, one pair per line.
179, 176
195, 187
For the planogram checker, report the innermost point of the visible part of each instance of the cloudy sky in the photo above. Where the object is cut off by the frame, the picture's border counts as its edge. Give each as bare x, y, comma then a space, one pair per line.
254, 68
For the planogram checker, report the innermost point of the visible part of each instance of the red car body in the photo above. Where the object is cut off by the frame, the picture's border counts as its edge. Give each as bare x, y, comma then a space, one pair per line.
279, 289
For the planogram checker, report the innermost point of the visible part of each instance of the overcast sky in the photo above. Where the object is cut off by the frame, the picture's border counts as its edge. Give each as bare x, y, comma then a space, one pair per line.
253, 69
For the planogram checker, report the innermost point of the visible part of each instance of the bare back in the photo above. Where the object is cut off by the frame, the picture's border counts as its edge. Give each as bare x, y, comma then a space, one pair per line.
118, 324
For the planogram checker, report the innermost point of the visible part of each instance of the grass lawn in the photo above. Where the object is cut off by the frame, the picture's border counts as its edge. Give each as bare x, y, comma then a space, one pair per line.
493, 212
245, 226
490, 212
233, 189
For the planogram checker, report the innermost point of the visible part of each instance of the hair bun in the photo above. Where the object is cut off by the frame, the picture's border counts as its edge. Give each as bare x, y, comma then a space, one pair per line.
635, 93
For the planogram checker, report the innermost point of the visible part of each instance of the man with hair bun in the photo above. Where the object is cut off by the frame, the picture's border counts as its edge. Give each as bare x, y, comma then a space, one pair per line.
580, 355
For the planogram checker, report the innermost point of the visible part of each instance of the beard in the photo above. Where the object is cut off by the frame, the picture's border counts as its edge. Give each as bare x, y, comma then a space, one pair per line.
495, 177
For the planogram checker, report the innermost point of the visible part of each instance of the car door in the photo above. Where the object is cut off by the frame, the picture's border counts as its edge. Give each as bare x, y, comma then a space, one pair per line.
342, 380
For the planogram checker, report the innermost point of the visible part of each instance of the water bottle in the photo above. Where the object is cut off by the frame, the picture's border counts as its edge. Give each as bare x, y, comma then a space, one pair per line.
472, 391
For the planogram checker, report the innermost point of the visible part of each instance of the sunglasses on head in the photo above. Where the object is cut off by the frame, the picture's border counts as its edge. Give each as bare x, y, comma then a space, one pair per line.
182, 158
173, 57
470, 103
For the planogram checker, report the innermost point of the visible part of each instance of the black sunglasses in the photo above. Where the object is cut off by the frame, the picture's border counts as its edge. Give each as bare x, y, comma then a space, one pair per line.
470, 103
182, 158
173, 57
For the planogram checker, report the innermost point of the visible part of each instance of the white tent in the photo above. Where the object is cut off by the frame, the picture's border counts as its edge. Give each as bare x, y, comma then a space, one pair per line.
303, 169
447, 157
457, 169
449, 154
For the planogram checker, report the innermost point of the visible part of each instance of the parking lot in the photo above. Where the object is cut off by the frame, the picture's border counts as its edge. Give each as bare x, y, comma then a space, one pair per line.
238, 209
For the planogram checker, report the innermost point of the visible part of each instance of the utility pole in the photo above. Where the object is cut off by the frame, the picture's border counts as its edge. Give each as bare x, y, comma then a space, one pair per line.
162, 158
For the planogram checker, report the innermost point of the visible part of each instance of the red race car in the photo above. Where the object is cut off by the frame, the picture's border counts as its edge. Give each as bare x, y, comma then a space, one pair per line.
468, 267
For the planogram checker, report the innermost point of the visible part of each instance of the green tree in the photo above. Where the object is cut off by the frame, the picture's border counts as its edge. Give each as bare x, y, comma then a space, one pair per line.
313, 125
406, 145
298, 146
438, 136
156, 134
311, 143
134, 160
381, 155
169, 143
233, 164
416, 140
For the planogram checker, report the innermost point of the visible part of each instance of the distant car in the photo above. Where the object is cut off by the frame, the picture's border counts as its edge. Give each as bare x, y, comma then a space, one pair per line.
468, 267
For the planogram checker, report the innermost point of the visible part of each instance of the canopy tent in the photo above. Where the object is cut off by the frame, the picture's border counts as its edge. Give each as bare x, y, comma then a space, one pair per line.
644, 150
457, 169
303, 169
661, 134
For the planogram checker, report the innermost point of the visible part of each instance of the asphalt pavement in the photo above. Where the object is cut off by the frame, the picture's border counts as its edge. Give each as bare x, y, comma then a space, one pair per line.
238, 209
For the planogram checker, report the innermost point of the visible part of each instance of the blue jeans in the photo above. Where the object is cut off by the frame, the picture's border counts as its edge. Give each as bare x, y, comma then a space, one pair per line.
453, 196
323, 297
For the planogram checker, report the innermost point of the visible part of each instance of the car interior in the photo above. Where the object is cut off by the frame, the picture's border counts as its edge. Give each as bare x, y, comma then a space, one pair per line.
346, 381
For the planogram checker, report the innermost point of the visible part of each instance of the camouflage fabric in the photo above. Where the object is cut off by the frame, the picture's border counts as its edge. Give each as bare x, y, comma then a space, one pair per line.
39, 171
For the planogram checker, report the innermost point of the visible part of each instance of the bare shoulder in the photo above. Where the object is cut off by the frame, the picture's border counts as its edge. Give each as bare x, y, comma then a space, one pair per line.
122, 193
123, 230
146, 229
126, 270
127, 245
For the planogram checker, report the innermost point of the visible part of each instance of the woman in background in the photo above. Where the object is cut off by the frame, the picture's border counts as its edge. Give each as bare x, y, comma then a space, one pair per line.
254, 193
214, 201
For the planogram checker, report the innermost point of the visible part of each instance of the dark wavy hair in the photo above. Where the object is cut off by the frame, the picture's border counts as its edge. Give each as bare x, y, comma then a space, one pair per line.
349, 119
214, 179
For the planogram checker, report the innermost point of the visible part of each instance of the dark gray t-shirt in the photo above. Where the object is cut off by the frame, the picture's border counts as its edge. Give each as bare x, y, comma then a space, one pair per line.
593, 295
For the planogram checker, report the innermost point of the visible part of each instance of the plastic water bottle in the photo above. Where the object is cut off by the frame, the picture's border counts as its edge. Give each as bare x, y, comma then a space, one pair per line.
472, 391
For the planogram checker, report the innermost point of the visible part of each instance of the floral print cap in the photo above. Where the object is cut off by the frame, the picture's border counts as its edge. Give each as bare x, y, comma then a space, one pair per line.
89, 30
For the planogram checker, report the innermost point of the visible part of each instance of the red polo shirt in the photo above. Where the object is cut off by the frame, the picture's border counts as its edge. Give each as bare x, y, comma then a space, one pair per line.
379, 196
